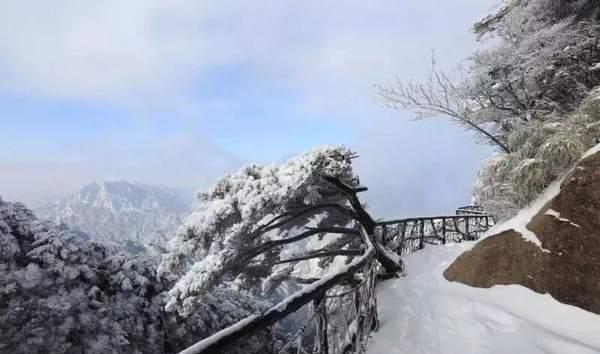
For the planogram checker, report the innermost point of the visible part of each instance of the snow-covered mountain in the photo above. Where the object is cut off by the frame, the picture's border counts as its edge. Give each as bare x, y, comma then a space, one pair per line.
121, 212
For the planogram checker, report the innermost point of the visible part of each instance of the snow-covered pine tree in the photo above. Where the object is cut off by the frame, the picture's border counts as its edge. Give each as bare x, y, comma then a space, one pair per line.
259, 227
208, 249
60, 294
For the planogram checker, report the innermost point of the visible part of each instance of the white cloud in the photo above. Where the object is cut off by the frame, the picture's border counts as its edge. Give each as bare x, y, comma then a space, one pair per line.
417, 168
126, 49
156, 53
99, 49
182, 160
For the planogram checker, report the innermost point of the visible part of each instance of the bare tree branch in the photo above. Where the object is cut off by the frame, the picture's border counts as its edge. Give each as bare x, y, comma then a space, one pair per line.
439, 95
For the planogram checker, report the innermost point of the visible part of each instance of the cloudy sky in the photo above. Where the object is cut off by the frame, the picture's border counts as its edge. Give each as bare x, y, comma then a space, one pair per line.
179, 92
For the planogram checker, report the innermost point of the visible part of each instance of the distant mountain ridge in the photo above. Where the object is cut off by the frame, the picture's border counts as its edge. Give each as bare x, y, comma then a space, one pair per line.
121, 212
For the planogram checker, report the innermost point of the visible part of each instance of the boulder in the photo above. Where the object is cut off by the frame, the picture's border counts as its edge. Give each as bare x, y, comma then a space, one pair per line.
567, 265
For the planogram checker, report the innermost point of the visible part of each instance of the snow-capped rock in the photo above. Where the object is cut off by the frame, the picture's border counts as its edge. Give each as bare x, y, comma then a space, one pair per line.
551, 247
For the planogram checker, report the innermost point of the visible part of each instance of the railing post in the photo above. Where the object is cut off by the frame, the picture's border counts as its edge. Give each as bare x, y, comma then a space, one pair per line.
422, 236
444, 231
467, 222
320, 305
401, 243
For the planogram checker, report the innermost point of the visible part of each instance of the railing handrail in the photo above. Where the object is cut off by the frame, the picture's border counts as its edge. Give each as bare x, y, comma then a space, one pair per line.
472, 209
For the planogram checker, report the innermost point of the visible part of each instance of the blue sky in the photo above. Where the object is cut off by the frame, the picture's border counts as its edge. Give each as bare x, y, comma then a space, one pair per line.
180, 92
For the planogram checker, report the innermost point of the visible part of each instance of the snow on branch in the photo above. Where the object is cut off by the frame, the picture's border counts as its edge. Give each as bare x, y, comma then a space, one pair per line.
313, 195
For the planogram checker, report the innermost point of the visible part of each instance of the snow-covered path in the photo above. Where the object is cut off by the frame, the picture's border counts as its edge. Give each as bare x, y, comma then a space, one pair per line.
424, 313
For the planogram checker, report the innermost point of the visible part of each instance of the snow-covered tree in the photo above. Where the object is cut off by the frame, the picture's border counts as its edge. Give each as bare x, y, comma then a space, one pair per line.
443, 94
60, 294
543, 151
256, 228
255, 237
525, 94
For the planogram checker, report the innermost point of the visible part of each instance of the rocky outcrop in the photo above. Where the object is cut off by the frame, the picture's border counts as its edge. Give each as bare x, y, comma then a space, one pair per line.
568, 226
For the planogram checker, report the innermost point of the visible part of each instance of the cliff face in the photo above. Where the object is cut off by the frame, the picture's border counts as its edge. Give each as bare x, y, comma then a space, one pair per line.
567, 266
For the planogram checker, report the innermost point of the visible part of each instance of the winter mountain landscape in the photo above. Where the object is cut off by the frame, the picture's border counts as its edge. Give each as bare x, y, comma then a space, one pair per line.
120, 212
310, 178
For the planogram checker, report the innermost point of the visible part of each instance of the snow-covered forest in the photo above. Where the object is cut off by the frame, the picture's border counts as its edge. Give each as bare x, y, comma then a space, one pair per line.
284, 252
255, 238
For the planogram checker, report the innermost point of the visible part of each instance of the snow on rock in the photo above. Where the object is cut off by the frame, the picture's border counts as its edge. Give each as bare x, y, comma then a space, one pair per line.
556, 214
424, 313
591, 151
569, 271
519, 222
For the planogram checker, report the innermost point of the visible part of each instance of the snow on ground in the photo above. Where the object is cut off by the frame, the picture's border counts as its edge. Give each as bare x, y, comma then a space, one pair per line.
424, 313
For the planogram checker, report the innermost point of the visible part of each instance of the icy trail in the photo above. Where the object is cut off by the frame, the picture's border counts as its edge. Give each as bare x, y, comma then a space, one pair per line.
424, 313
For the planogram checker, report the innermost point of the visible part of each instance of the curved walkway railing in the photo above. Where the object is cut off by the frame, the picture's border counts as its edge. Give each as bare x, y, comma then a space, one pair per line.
336, 313
407, 235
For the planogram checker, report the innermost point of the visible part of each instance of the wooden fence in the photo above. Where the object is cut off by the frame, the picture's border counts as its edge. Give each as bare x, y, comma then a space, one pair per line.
407, 235
336, 314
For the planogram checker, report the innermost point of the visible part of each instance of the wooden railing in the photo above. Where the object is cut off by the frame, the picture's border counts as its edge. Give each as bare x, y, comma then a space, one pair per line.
335, 314
407, 235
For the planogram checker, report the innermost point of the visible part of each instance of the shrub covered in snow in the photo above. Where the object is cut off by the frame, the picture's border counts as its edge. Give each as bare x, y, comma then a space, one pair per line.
542, 151
542, 75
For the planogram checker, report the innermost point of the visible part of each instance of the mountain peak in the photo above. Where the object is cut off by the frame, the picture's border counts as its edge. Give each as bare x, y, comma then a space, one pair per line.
120, 211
